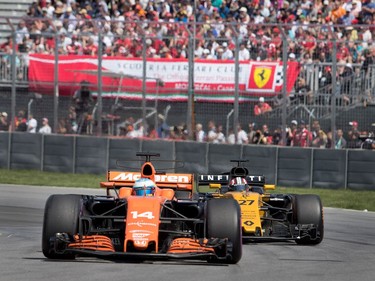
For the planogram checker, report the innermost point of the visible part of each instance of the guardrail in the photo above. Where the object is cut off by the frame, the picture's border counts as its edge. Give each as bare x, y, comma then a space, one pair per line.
283, 166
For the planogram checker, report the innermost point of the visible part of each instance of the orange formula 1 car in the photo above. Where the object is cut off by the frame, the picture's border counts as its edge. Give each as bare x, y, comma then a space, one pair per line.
142, 216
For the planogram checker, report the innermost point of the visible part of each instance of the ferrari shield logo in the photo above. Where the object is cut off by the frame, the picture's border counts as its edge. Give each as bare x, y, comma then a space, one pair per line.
262, 75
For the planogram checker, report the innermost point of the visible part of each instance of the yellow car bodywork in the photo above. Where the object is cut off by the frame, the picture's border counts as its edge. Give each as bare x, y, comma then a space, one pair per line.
251, 204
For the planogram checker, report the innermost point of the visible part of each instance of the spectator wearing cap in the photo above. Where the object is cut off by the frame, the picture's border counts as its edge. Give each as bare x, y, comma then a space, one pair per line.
59, 12
291, 132
243, 16
84, 14
262, 107
150, 50
4, 124
45, 129
206, 54
292, 57
354, 128
219, 53
72, 22
227, 53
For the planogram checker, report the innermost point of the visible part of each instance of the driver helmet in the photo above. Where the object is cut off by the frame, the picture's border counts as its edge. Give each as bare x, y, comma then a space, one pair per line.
144, 187
238, 184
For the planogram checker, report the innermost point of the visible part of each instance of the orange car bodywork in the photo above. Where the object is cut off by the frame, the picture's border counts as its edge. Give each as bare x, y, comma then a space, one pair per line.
143, 213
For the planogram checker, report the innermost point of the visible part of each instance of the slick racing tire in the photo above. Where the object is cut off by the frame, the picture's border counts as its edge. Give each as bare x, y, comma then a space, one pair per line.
224, 221
308, 209
61, 215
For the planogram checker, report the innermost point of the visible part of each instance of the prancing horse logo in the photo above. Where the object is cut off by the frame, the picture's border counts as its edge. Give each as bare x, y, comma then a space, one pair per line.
262, 75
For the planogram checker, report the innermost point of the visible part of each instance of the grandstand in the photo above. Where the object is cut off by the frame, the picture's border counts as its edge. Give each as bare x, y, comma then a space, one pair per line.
149, 30
14, 9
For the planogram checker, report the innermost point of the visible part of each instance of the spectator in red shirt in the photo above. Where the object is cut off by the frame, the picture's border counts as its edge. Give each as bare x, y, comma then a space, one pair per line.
262, 107
303, 136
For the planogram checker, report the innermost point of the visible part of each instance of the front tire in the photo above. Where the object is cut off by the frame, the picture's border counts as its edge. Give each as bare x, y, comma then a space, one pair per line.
224, 221
61, 215
308, 209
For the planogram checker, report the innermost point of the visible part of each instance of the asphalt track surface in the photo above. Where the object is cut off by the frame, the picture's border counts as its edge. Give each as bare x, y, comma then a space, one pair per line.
346, 253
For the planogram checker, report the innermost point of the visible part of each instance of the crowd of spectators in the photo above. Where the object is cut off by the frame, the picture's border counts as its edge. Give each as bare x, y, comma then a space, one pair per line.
166, 24
298, 134
122, 23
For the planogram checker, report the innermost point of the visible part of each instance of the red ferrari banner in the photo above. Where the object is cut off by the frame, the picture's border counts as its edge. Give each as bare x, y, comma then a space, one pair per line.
166, 79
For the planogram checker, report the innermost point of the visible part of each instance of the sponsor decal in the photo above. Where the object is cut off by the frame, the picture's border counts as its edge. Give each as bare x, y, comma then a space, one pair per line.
254, 178
248, 223
147, 215
141, 224
262, 76
245, 202
140, 235
214, 178
214, 80
140, 242
137, 230
158, 178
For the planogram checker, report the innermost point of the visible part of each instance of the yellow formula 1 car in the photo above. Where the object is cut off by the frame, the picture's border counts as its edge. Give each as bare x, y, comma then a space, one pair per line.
268, 216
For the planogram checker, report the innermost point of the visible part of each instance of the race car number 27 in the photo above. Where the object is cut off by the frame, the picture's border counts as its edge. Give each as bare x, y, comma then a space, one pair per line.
147, 215
245, 202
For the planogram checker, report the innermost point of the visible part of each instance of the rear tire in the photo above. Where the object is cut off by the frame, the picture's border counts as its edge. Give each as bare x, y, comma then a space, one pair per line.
61, 214
224, 221
308, 209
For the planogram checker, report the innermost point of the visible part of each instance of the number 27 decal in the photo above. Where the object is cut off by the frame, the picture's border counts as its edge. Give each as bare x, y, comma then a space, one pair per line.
245, 202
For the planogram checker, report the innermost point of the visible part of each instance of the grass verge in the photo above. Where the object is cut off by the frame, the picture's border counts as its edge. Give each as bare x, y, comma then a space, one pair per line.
338, 198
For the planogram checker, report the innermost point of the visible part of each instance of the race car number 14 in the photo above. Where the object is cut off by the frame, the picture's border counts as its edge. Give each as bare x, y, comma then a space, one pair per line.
147, 215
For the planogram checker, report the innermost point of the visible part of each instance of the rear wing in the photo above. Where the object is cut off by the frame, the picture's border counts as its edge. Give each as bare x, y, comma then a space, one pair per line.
224, 180
117, 179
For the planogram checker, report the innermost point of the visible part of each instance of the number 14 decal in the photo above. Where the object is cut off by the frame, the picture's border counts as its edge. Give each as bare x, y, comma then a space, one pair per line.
147, 215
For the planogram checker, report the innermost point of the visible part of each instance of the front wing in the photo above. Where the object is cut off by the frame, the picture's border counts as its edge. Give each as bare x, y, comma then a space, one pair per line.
180, 248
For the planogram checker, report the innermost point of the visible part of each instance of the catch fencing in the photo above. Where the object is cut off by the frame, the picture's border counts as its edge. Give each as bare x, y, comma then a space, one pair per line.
156, 73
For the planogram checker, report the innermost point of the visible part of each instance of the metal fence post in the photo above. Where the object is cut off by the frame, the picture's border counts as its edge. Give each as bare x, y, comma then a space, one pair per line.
100, 85
236, 88
56, 85
284, 103
14, 74
334, 93
144, 80
190, 120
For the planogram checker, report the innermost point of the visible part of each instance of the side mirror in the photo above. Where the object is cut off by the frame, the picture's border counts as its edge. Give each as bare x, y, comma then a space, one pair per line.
269, 187
215, 185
